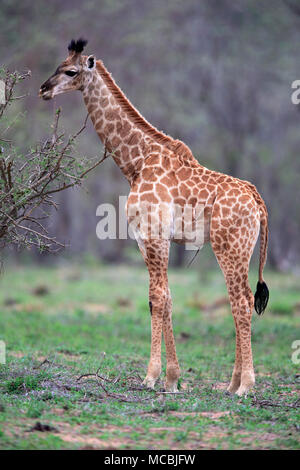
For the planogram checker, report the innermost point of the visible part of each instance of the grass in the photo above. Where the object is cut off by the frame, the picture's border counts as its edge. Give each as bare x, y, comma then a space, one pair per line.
60, 323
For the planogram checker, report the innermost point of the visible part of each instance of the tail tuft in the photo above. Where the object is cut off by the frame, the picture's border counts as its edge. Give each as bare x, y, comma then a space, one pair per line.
261, 297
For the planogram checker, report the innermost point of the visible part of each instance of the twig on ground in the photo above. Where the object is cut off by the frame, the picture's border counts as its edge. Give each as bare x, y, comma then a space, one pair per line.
45, 361
117, 396
266, 403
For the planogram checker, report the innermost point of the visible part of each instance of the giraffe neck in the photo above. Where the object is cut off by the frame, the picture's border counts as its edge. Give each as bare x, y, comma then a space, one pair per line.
123, 129
117, 131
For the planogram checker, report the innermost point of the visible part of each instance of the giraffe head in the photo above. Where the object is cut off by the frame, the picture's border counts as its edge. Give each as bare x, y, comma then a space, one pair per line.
72, 74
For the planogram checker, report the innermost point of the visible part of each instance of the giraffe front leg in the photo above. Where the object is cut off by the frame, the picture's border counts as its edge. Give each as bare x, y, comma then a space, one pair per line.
154, 366
173, 370
156, 256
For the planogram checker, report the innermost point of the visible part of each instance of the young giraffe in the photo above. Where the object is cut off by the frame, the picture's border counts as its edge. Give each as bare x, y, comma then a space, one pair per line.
161, 170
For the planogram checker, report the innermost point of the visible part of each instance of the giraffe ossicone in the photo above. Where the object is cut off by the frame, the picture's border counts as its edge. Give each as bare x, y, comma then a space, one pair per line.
162, 171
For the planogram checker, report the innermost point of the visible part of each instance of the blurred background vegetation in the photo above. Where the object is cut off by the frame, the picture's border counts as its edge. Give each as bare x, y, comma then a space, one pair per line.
216, 74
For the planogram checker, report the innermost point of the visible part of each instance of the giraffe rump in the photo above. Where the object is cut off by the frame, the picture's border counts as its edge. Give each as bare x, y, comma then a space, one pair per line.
77, 46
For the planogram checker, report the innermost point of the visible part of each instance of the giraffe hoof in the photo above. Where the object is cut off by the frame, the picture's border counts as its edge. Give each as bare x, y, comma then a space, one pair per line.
231, 389
149, 382
243, 391
172, 388
247, 384
235, 383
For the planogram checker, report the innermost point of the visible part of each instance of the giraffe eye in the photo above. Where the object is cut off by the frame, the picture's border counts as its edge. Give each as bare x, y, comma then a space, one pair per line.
70, 73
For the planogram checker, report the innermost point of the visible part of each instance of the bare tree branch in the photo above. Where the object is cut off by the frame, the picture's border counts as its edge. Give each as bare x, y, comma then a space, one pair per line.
28, 182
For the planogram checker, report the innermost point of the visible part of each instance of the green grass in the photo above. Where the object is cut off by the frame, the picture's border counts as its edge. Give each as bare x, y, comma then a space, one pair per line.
57, 324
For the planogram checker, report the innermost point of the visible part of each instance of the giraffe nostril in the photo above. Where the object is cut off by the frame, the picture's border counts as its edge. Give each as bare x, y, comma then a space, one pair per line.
45, 92
45, 86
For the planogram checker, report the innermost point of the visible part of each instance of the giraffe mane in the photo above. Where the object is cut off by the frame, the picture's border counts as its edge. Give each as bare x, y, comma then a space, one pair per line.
176, 145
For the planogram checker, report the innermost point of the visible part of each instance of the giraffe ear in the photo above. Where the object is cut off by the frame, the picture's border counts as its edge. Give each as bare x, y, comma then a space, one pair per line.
90, 62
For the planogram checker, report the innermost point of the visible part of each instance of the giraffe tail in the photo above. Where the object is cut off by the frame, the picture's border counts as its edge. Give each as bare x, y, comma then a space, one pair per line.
262, 292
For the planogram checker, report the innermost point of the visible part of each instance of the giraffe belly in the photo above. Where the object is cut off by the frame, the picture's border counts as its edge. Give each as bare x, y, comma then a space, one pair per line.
192, 231
193, 239
189, 225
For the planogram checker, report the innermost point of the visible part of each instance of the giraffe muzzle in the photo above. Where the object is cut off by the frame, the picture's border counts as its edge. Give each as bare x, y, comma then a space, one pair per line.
45, 94
46, 91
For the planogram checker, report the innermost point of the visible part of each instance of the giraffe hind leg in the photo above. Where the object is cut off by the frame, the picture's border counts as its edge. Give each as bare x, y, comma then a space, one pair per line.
242, 302
233, 247
237, 370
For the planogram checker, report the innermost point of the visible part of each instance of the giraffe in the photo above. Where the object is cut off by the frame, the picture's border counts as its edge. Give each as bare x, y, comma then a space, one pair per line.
162, 171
